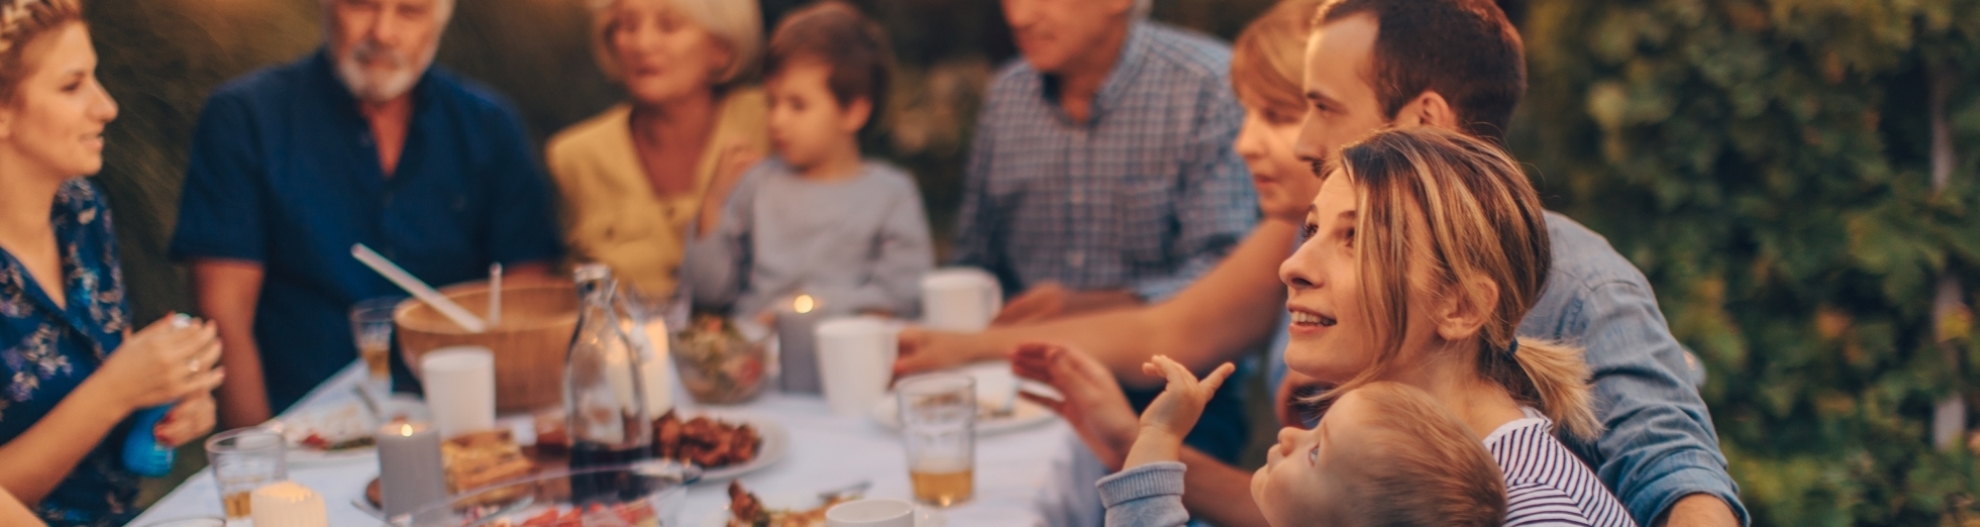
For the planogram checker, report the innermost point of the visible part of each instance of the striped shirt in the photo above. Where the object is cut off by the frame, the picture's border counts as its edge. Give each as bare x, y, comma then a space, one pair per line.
1545, 483
1145, 195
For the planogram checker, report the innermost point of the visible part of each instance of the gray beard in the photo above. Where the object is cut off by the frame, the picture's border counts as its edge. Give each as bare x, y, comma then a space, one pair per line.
369, 87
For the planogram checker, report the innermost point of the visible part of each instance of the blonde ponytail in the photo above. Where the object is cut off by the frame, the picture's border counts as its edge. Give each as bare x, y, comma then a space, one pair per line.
1550, 376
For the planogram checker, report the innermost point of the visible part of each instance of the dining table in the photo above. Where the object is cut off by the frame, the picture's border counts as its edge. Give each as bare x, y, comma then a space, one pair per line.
1039, 475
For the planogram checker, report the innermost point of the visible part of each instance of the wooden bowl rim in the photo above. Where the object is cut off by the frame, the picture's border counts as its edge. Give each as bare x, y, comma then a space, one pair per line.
450, 329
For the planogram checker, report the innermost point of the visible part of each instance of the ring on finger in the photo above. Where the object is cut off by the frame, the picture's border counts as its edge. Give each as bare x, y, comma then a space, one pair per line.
193, 365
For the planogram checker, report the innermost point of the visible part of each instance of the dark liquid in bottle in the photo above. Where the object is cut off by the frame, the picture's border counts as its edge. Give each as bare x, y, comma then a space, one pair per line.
610, 486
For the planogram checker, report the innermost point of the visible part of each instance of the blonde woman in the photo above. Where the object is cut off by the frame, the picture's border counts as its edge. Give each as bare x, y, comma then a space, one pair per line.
71, 370
1421, 255
633, 178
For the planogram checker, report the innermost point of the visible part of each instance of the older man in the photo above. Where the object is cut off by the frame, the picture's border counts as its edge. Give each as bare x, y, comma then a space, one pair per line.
1103, 175
365, 142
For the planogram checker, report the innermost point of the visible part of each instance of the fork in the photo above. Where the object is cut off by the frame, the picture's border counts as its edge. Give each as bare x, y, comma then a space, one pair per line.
852, 491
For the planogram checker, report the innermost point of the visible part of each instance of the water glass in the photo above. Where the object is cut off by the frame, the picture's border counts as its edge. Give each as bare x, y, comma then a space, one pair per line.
371, 324
243, 460
938, 425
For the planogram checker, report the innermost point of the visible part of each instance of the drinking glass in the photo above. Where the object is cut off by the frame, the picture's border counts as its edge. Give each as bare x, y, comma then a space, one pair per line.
243, 460
938, 425
371, 324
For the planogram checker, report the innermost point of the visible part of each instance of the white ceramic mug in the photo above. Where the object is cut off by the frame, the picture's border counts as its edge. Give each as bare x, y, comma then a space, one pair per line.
871, 513
460, 388
855, 362
960, 299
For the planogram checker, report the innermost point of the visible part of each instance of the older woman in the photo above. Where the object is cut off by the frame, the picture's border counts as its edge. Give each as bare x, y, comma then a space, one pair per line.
71, 371
633, 177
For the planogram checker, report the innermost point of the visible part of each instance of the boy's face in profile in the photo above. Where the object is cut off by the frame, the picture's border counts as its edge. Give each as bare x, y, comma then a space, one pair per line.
807, 124
1305, 475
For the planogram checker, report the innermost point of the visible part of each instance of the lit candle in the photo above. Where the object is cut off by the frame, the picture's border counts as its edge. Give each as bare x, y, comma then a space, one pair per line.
797, 353
287, 504
409, 471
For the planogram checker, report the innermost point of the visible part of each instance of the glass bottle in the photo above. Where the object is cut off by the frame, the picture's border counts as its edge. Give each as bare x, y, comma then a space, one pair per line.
604, 401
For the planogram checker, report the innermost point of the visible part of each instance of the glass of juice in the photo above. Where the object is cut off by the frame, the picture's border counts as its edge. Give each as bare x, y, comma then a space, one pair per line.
243, 460
371, 324
938, 425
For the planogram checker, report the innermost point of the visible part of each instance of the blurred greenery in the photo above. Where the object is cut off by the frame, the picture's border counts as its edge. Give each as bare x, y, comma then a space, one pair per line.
1765, 162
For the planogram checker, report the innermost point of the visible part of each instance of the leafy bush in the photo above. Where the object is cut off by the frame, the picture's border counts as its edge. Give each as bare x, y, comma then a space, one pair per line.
1768, 165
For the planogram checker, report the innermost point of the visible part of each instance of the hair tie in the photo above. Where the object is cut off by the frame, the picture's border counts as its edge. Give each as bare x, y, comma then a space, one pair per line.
1513, 350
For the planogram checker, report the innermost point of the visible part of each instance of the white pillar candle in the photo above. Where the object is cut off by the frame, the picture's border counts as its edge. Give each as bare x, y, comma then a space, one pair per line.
287, 504
410, 473
460, 388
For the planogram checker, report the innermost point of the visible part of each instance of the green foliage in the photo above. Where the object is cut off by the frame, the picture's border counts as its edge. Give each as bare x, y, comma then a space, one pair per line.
1768, 164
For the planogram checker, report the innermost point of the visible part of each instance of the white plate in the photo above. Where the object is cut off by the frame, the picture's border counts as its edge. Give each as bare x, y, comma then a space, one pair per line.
1024, 414
924, 516
344, 420
776, 443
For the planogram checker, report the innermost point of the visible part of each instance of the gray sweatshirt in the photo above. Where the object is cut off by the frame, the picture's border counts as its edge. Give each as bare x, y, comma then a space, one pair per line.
855, 245
1146, 496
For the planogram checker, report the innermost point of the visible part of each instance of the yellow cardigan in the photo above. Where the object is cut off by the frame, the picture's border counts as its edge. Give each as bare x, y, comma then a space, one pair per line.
610, 211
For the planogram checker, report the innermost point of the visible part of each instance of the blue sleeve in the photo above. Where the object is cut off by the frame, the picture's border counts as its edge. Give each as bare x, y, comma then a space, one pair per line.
1216, 206
903, 253
1660, 445
979, 228
523, 225
220, 210
1146, 496
716, 266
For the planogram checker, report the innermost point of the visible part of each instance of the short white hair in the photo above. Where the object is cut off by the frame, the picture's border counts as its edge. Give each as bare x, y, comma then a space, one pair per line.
446, 8
737, 24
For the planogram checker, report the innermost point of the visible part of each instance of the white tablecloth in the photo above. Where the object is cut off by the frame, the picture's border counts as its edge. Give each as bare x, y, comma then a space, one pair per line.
1038, 476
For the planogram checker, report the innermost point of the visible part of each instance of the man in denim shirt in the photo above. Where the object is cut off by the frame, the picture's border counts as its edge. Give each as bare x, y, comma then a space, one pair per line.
1465, 72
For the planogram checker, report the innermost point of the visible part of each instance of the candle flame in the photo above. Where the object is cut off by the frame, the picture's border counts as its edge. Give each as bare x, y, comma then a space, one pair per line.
803, 304
406, 430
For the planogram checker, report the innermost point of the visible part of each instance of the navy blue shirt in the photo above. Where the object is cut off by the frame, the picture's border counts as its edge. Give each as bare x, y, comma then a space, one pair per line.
284, 173
46, 351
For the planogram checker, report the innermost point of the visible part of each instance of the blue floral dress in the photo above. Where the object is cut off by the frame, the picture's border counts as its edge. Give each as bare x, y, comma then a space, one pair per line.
46, 351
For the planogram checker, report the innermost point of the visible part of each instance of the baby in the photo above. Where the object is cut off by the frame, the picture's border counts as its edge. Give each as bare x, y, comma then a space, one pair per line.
817, 218
1384, 455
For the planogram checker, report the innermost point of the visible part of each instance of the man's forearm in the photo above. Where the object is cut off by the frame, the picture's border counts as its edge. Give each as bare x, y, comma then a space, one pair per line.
243, 396
1218, 493
1699, 510
1236, 304
1085, 302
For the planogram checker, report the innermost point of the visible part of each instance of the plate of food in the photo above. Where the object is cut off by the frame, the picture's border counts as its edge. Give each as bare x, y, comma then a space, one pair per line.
989, 420
723, 444
747, 509
472, 461
341, 431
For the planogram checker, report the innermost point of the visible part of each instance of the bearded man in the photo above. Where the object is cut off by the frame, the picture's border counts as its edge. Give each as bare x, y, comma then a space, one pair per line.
362, 141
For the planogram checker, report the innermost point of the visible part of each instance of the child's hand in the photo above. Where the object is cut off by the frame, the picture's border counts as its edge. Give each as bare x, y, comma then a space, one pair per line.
1173, 413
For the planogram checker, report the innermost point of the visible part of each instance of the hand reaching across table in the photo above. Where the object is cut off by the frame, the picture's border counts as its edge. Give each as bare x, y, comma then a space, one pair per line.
923, 350
1093, 403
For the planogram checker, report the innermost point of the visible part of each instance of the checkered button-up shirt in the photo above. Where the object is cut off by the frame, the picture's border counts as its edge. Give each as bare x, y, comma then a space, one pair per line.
1145, 196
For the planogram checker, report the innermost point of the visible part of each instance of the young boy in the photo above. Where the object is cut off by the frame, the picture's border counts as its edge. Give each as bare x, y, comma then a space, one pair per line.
1385, 455
816, 218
